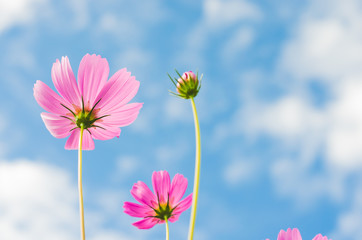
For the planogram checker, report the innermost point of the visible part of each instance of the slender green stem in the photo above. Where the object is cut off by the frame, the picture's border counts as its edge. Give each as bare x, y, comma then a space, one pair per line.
80, 188
167, 231
197, 172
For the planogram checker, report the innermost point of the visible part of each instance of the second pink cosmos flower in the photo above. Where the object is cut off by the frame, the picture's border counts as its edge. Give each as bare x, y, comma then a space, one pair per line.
294, 234
100, 106
162, 205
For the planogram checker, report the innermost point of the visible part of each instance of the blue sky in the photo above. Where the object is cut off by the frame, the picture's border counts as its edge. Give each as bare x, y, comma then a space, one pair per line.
280, 113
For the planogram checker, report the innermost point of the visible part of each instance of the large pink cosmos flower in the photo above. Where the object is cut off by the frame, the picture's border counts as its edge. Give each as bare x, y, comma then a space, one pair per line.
295, 235
164, 204
100, 106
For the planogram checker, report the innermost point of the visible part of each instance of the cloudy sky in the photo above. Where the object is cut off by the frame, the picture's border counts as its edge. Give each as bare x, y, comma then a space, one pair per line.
280, 112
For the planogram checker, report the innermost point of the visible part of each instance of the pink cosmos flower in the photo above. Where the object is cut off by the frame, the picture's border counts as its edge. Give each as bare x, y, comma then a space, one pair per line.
295, 235
164, 204
100, 106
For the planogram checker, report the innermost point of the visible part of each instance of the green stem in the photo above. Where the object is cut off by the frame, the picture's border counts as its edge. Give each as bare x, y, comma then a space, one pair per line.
167, 231
197, 172
80, 183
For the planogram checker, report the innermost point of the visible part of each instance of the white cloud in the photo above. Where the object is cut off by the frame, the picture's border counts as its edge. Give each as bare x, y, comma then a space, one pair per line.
288, 118
326, 43
38, 201
26, 12
325, 47
345, 125
224, 13
18, 12
348, 225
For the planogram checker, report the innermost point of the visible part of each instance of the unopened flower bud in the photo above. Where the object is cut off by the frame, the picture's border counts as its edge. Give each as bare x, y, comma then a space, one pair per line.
187, 85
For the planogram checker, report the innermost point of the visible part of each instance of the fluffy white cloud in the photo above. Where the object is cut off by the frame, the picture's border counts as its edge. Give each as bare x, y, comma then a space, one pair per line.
325, 47
348, 225
326, 42
25, 12
18, 12
344, 125
288, 118
224, 13
38, 201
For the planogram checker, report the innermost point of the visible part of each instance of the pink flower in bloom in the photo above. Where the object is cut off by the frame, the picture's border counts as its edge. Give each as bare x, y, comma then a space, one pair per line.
295, 235
164, 204
100, 106
320, 237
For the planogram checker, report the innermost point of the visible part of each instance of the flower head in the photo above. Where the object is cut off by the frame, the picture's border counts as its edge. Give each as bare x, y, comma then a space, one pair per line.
295, 235
164, 204
188, 85
99, 106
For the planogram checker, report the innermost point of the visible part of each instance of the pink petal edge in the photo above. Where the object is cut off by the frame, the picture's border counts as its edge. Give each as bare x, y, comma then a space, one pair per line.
64, 81
146, 223
183, 205
92, 76
161, 185
143, 194
49, 100
58, 126
137, 210
178, 188
73, 141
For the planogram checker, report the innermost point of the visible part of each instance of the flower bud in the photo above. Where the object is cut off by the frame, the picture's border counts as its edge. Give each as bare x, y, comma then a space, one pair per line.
188, 85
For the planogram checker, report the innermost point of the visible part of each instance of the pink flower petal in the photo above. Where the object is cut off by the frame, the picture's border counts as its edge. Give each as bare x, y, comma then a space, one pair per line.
125, 115
183, 205
161, 185
88, 142
112, 87
137, 210
64, 81
143, 194
92, 76
49, 100
174, 217
58, 126
146, 223
290, 234
178, 188
108, 133
73, 140
120, 97
320, 237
